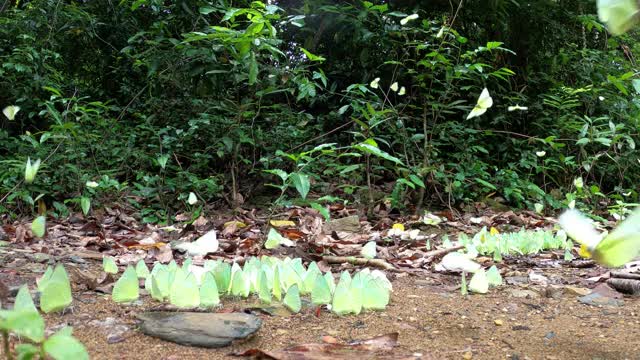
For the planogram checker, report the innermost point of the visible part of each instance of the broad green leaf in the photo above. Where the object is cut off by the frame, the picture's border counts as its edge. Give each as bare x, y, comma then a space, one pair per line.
23, 301
479, 282
85, 204
374, 150
142, 271
62, 346
109, 265
368, 251
184, 292
292, 299
126, 288
38, 226
56, 295
311, 56
27, 351
27, 323
302, 184
209, 295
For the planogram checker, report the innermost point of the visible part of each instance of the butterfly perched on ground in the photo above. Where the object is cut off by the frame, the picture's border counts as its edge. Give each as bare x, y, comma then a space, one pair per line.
615, 249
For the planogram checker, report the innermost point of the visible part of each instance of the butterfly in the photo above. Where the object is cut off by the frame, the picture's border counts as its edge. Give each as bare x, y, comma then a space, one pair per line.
484, 103
619, 15
615, 249
126, 288
56, 293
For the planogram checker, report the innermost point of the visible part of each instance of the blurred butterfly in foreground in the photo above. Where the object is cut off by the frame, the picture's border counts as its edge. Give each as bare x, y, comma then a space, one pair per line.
615, 249
619, 15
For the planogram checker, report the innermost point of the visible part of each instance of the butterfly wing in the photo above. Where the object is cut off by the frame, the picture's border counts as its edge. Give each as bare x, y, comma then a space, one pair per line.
622, 244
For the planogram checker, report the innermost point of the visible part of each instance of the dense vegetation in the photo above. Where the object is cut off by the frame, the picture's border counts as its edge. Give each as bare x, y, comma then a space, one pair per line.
153, 100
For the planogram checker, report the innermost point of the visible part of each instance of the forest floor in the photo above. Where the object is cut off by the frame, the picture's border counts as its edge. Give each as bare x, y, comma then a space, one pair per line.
536, 314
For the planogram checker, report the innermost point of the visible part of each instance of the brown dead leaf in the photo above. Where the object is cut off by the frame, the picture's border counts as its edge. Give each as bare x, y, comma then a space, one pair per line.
162, 254
20, 233
379, 347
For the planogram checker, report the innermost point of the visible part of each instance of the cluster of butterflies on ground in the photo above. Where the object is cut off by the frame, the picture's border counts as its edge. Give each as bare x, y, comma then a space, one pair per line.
190, 286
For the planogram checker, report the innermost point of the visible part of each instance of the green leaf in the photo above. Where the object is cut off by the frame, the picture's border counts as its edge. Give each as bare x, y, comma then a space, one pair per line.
25, 323
312, 57
126, 288
62, 346
38, 226
322, 210
85, 204
301, 182
373, 150
27, 351
253, 69
56, 295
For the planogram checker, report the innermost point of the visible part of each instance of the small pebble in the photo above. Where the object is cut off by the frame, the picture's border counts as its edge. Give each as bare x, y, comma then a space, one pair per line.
498, 322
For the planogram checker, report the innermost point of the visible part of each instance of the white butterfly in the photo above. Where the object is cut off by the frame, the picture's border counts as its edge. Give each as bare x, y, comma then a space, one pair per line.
484, 102
11, 111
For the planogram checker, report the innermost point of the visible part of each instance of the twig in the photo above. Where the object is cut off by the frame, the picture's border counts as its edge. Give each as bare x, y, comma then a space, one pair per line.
435, 254
360, 261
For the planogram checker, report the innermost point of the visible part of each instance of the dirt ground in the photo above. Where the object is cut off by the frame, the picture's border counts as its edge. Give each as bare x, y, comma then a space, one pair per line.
435, 321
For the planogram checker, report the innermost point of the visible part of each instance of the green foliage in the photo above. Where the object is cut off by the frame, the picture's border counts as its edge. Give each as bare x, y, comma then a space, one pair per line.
25, 322
155, 101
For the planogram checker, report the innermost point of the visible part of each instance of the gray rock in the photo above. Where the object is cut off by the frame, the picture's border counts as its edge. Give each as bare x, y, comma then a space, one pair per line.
199, 329
596, 299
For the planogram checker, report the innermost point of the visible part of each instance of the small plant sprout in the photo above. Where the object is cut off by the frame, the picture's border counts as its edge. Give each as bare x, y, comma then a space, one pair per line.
406, 20
483, 104
30, 170
11, 111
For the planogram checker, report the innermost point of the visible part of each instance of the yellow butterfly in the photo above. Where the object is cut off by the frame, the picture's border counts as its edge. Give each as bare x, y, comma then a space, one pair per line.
619, 15
615, 249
